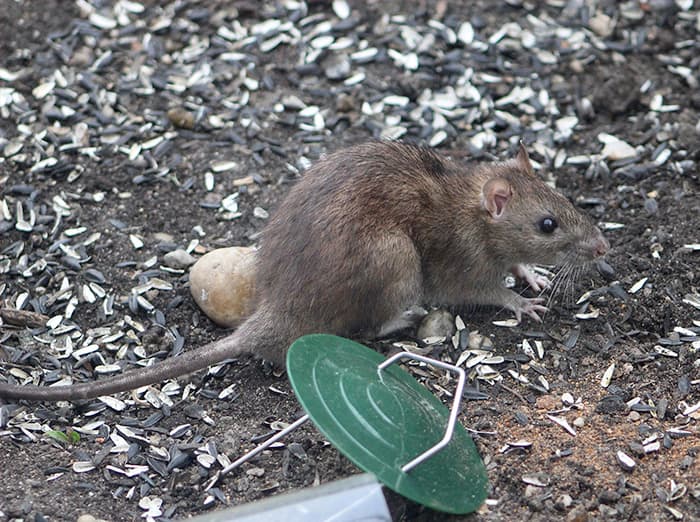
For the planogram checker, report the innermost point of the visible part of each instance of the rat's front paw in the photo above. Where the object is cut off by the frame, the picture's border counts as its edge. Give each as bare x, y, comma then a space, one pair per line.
529, 307
537, 282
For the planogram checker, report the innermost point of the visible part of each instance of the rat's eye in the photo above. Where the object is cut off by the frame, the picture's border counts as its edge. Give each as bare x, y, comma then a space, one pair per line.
548, 225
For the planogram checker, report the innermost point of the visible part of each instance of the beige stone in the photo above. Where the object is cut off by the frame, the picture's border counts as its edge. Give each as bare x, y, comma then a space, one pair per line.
222, 284
602, 25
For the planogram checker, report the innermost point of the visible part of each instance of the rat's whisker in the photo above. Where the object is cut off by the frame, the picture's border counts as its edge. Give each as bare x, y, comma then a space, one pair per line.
560, 277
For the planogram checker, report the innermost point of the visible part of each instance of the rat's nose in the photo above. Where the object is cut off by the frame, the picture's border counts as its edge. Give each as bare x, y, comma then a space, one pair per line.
600, 246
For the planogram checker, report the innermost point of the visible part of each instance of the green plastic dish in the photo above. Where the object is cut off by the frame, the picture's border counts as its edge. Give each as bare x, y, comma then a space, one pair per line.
381, 421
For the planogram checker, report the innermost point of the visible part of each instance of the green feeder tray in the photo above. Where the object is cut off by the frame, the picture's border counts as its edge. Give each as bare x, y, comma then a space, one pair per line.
383, 420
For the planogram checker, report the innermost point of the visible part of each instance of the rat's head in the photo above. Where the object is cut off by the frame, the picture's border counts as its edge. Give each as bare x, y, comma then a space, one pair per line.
529, 222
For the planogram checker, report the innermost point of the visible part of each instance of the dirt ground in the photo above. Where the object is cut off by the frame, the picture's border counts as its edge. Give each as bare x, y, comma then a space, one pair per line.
658, 207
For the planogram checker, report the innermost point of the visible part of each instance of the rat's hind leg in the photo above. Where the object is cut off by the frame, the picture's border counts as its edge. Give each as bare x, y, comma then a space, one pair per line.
393, 271
407, 319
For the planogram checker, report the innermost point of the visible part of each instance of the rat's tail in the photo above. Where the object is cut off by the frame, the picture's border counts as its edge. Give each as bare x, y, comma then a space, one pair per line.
246, 339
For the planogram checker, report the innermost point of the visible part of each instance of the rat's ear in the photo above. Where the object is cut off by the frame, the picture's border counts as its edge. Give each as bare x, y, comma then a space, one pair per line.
523, 160
495, 195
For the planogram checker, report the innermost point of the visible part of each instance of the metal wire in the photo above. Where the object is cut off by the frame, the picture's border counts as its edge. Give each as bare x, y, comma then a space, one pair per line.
277, 436
455, 403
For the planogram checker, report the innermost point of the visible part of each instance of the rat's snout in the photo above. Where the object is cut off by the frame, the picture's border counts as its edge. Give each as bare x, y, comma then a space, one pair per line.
594, 245
600, 246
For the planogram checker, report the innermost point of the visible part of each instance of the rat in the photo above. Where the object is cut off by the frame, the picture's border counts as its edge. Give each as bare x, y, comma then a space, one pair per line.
372, 230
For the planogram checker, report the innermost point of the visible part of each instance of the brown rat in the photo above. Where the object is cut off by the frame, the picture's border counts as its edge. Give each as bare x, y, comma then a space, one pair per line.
369, 232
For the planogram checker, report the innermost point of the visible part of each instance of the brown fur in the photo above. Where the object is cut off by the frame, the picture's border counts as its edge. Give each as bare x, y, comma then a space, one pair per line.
368, 232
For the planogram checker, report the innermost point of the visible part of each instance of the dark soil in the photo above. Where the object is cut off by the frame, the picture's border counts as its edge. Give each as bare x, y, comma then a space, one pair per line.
36, 479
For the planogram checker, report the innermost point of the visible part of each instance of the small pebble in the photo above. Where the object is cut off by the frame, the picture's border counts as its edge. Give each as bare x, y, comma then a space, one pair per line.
477, 341
602, 25
179, 259
438, 323
532, 491
181, 118
337, 67
563, 502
